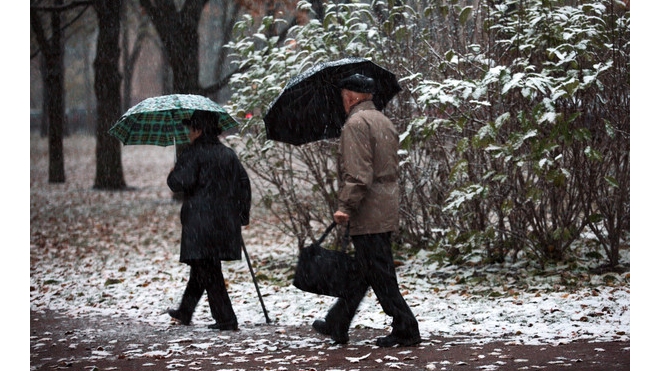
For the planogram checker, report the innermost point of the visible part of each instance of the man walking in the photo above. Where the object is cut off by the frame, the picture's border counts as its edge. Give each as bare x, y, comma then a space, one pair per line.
369, 203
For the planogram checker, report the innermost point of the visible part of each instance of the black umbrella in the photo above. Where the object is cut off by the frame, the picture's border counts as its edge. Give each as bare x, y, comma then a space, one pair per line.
309, 108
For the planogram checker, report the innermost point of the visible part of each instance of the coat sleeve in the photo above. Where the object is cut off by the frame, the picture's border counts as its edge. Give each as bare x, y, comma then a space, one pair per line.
357, 161
183, 178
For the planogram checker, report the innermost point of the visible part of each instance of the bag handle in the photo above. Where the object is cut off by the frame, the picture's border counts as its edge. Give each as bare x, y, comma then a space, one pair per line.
326, 233
345, 239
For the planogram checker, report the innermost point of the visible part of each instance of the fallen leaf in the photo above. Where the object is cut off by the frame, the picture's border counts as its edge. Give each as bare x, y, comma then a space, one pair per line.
357, 359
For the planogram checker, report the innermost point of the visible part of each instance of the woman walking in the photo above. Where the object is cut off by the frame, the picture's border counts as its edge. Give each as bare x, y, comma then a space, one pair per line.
216, 203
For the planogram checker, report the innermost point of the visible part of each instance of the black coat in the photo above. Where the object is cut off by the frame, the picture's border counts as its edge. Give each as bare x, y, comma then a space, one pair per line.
216, 200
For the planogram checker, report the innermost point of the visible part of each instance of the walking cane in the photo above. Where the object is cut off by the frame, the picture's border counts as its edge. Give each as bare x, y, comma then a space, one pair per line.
254, 278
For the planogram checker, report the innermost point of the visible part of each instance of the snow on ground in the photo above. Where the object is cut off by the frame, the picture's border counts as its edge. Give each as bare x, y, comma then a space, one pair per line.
116, 254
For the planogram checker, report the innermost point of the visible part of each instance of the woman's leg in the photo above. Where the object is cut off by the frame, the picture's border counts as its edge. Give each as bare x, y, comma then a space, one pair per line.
191, 295
219, 301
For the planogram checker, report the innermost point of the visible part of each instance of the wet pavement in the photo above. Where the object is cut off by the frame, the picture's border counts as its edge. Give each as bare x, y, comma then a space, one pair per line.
97, 343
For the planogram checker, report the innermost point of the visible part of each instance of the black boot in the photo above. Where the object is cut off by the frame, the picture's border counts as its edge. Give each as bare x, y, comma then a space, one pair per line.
392, 340
323, 328
227, 326
177, 315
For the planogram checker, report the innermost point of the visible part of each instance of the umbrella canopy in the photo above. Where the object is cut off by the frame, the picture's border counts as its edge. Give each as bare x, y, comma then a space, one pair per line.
158, 120
309, 108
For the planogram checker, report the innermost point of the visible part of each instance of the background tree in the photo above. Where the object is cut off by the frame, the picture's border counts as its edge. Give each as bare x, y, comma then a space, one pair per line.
46, 25
178, 31
107, 84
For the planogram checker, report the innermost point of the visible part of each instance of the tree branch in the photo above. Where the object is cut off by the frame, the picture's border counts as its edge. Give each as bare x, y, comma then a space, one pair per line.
224, 82
61, 8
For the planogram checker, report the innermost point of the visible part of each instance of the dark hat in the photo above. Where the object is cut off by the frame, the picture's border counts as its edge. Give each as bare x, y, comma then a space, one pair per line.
358, 83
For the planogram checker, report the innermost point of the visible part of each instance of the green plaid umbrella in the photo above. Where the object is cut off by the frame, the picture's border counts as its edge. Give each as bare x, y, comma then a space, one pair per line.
158, 120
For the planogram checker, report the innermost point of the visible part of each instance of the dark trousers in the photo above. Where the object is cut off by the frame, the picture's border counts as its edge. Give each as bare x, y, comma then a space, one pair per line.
373, 253
207, 276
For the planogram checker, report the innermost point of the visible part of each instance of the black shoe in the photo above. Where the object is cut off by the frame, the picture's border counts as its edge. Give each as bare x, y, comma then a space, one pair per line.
322, 328
392, 340
179, 317
227, 326
339, 338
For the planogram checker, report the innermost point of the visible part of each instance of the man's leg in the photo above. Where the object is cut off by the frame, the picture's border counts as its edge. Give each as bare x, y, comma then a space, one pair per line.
374, 252
339, 317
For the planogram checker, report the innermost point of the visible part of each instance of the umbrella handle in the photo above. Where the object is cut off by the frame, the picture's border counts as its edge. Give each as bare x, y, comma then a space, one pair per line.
174, 142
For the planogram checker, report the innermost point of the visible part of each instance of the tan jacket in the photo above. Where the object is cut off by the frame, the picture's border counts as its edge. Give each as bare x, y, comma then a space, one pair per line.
369, 170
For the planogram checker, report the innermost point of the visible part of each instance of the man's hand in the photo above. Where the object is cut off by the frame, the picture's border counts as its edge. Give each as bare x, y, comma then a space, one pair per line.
340, 217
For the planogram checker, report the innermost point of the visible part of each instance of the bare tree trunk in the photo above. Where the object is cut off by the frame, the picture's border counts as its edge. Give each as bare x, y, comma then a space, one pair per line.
128, 69
107, 82
43, 125
90, 122
55, 111
178, 32
53, 55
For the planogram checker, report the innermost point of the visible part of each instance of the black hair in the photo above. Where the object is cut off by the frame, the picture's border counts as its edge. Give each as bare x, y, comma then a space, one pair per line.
206, 121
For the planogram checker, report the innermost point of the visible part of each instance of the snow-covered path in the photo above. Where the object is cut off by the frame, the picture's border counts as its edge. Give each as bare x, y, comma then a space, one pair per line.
116, 253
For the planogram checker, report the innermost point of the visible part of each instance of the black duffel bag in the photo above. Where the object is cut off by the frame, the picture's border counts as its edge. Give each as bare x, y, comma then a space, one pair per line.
327, 272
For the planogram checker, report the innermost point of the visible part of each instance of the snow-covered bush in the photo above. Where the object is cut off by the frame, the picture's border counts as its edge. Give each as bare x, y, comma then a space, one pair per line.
513, 119
535, 117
